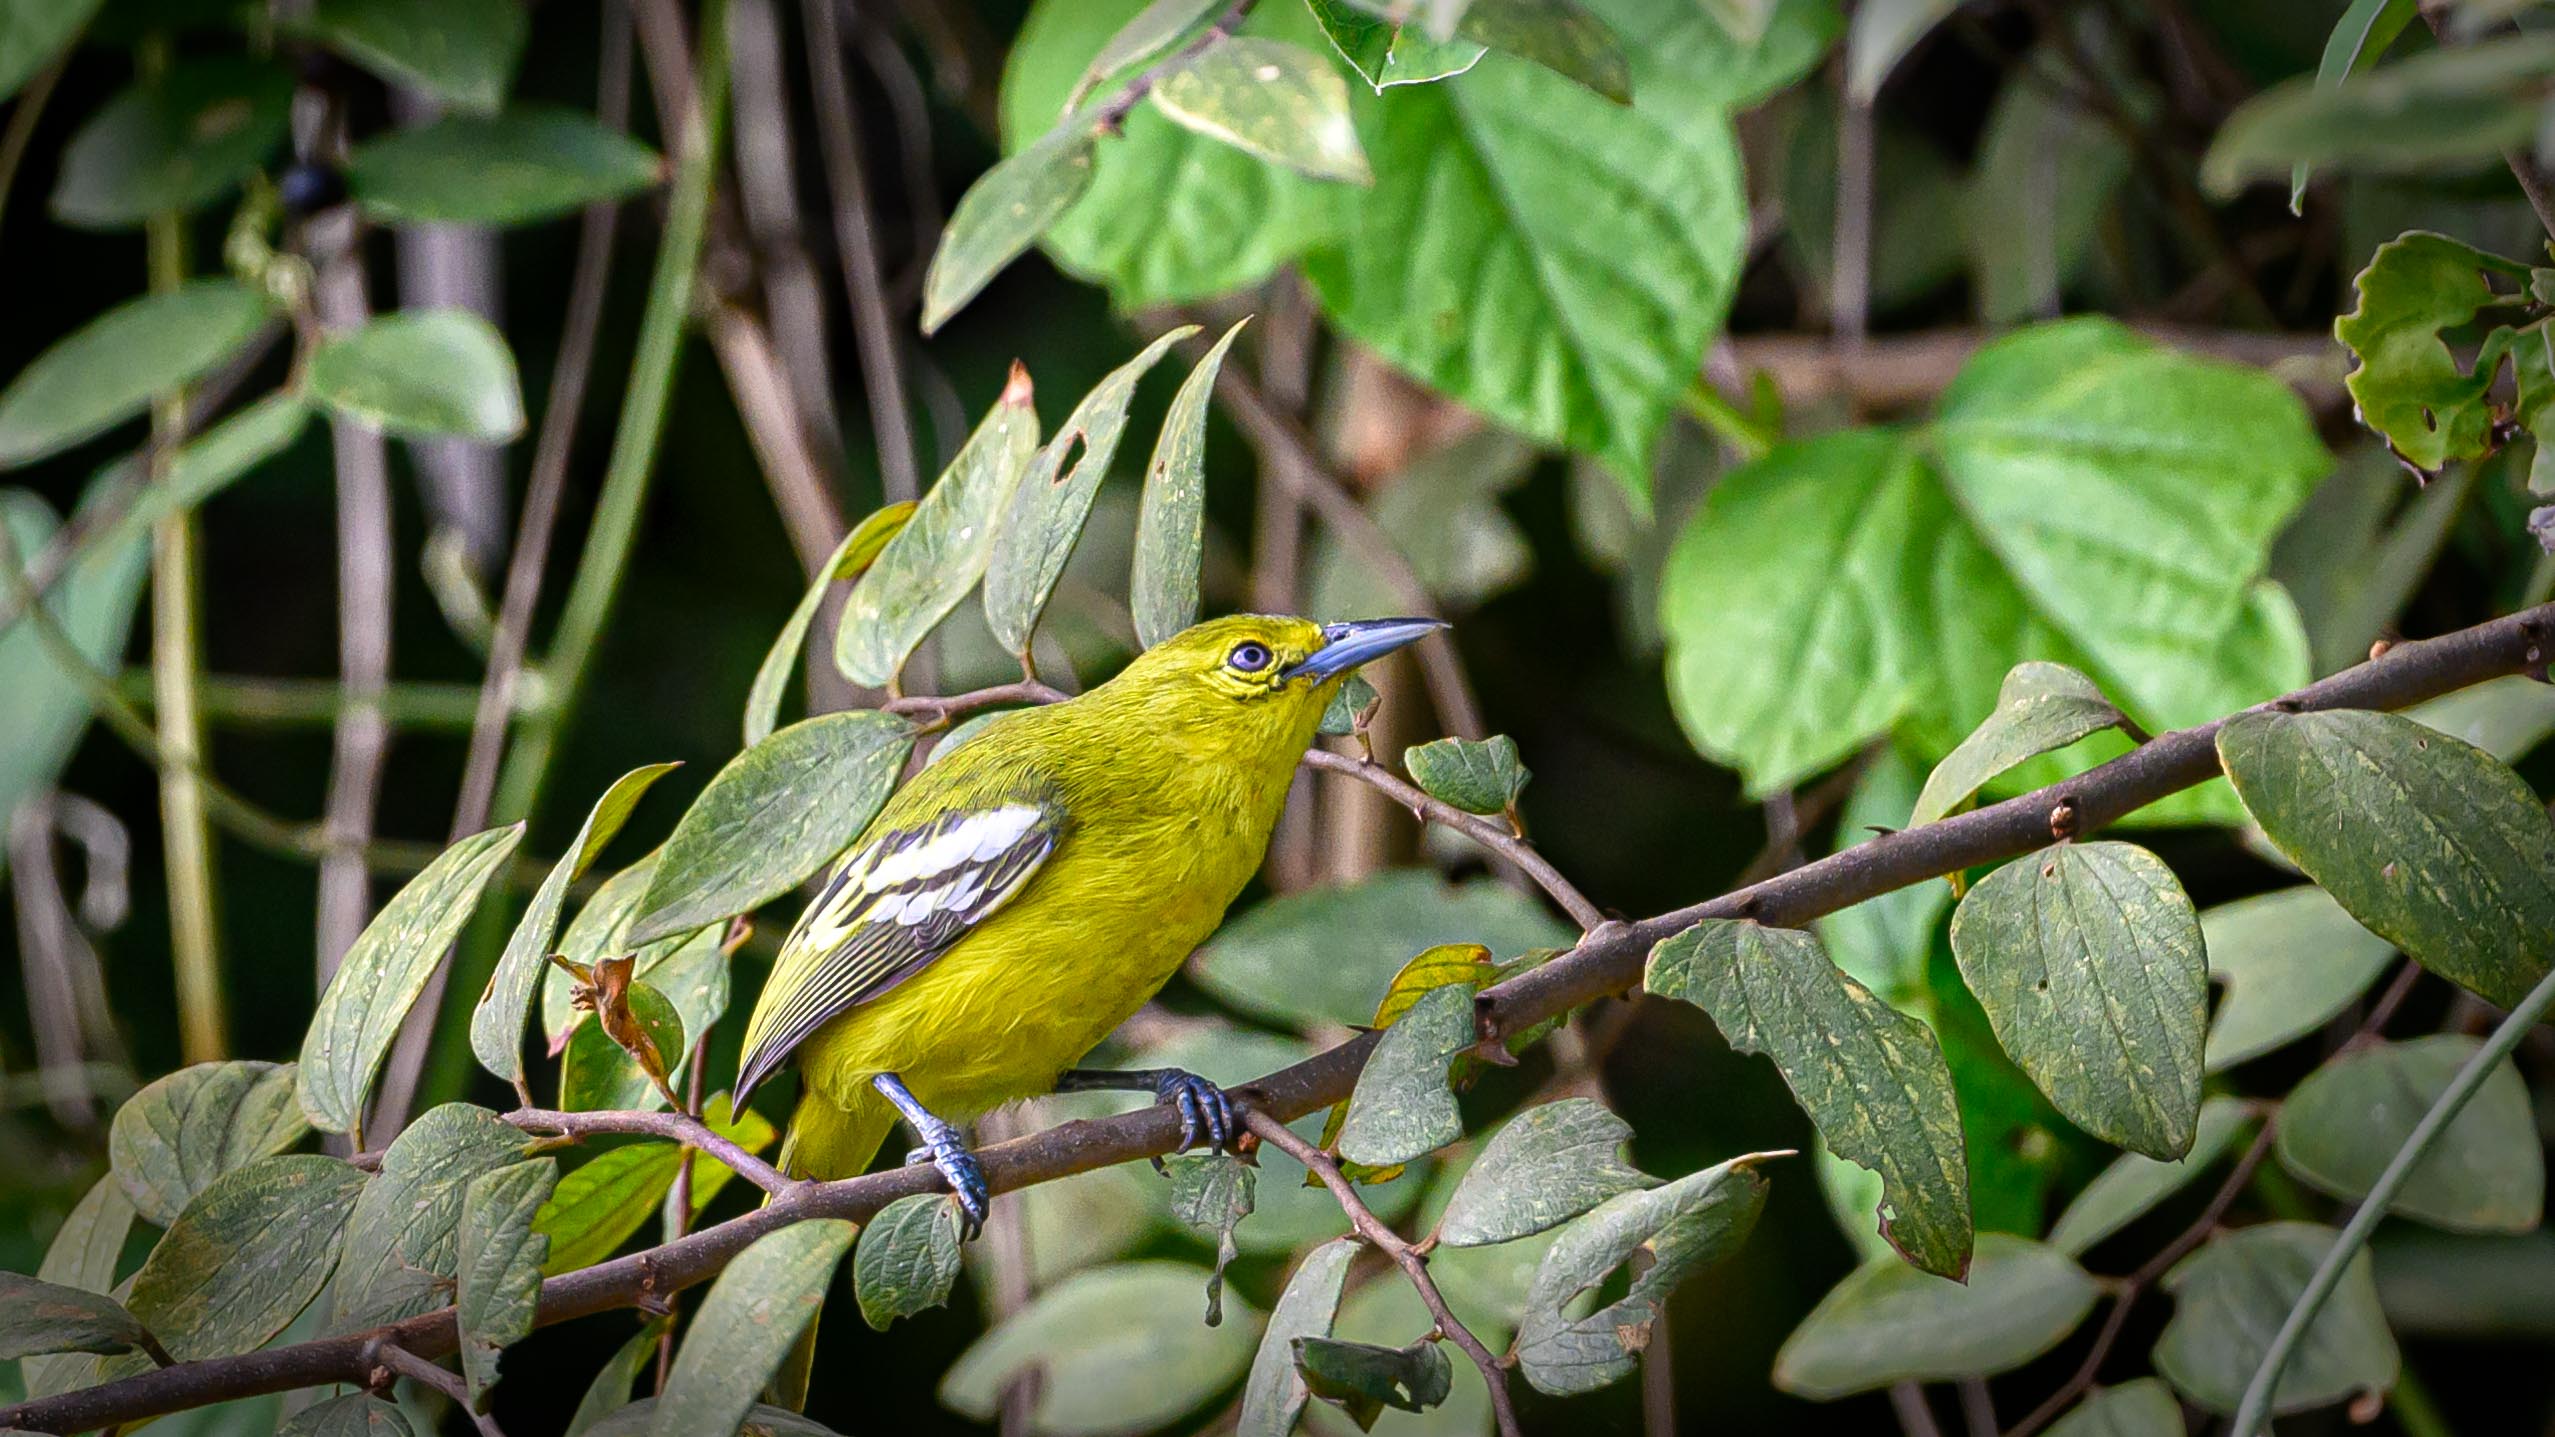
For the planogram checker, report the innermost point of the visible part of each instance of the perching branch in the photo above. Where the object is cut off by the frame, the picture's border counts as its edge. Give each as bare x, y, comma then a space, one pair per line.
677, 1127
1413, 1262
1605, 962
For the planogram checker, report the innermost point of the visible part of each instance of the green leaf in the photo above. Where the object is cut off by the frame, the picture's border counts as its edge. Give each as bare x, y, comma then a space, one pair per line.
2290, 961
1153, 30
403, 1243
246, 1256
38, 1318
2046, 172
2444, 1285
1281, 102
598, 1205
775, 814
174, 143
1322, 956
1003, 213
422, 372
1871, 1078
1882, 942
941, 552
1168, 216
2434, 110
610, 1390
596, 1075
1495, 177
108, 369
908, 1258
173, 1138
1887, 1322
2427, 841
2041, 707
462, 52
2141, 1407
357, 1414
1550, 1163
1882, 33
532, 163
1162, 590
496, 1023
2358, 39
1683, 1227
82, 1256
748, 1130
32, 35
2230, 1296
2506, 717
211, 462
1349, 704
1483, 777
1402, 1107
1040, 525
1273, 1395
2084, 496
1213, 1192
2409, 386
2344, 1123
850, 559
1558, 35
2087, 958
748, 1323
761, 1419
1385, 54
2133, 1184
1364, 1379
380, 977
498, 1279
1118, 1349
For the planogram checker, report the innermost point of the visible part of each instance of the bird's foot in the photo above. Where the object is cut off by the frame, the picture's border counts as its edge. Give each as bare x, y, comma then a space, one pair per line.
946, 1150
1201, 1105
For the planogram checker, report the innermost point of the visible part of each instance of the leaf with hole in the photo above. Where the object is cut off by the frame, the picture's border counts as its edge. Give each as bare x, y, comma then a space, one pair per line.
2040, 707
1043, 520
1280, 102
173, 143
1871, 1078
1682, 1228
462, 52
1550, 1163
173, 1138
380, 977
403, 1242
2291, 961
2430, 405
1162, 591
930, 565
107, 370
496, 1022
422, 373
1213, 1192
907, 1260
850, 559
497, 1282
2230, 1296
1402, 1108
1273, 1394
2485, 1173
747, 1324
775, 814
1118, 1349
245, 1257
2087, 958
2426, 841
2125, 1191
533, 163
1887, 1322
1363, 1379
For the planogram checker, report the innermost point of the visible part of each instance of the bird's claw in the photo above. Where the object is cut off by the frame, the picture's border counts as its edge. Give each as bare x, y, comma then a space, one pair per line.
965, 1176
1200, 1104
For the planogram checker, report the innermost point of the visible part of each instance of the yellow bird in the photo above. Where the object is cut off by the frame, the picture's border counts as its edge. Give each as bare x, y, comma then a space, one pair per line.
1024, 895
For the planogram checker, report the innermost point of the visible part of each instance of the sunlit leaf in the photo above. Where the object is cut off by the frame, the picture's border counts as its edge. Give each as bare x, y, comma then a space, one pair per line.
498, 1278
528, 164
1281, 102
381, 975
2039, 707
1549, 1164
1385, 54
1483, 777
463, 52
1887, 1322
403, 1243
2133, 1184
108, 369
908, 1258
1118, 1349
422, 372
175, 142
2427, 841
1274, 1393
1872, 1079
2290, 961
2486, 1172
173, 1138
2230, 1296
1003, 213
1037, 529
246, 1256
1162, 591
747, 1324
775, 814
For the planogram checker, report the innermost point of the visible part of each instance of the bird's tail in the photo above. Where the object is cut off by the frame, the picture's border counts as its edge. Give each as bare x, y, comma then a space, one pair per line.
824, 1142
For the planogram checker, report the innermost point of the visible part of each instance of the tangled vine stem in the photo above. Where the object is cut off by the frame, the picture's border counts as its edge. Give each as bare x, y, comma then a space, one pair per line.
1607, 960
1413, 1262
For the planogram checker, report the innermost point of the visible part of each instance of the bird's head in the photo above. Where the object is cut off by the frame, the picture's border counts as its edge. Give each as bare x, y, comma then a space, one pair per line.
1261, 672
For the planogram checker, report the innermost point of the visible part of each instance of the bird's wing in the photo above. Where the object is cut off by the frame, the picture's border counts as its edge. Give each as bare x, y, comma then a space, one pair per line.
897, 902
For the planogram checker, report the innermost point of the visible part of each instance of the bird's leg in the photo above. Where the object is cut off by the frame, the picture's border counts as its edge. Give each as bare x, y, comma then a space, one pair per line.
948, 1149
1200, 1103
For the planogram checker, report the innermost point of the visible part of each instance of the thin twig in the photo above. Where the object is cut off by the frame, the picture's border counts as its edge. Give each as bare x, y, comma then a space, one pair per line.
1489, 834
931, 712
1907, 1401
774, 232
856, 238
22, 121
417, 1369
1603, 962
1409, 1258
677, 1127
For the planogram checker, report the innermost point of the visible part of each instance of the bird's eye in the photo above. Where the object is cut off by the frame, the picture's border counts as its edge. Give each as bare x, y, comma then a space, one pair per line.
1248, 657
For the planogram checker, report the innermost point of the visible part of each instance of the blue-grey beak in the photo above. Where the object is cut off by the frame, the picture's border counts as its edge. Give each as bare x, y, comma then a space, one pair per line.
1360, 641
